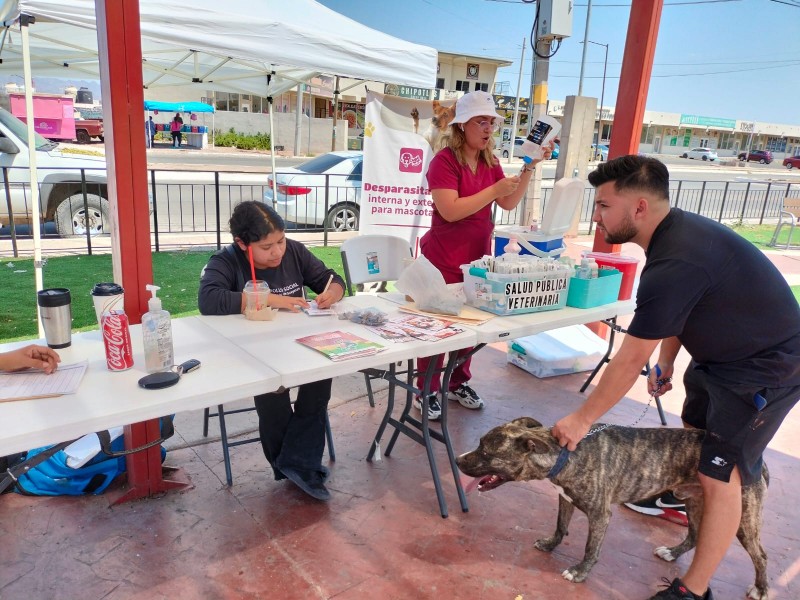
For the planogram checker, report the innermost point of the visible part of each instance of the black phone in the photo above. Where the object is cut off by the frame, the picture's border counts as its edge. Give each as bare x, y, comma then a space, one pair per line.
162, 379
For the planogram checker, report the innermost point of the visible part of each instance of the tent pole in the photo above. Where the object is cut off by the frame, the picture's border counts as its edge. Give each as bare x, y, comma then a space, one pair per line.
310, 117
272, 144
335, 102
272, 150
24, 22
298, 122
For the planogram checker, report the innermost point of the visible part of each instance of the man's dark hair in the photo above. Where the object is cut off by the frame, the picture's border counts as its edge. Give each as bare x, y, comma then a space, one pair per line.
633, 172
252, 221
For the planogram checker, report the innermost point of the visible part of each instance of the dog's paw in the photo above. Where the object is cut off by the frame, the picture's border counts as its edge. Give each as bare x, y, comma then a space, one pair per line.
756, 594
546, 544
664, 553
574, 575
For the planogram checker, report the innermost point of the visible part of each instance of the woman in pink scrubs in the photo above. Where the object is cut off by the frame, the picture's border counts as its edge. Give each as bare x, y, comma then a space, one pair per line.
465, 178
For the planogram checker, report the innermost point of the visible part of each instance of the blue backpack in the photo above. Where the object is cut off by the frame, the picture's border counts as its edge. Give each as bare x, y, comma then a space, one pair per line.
53, 477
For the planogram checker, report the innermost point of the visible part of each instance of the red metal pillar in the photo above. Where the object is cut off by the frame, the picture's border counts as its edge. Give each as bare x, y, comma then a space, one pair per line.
634, 81
120, 53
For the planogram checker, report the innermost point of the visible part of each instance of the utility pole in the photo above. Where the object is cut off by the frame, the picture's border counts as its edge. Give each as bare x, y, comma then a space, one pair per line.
515, 120
585, 39
538, 107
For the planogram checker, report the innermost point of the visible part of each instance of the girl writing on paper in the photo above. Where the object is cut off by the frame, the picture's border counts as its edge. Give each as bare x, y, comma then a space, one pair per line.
293, 440
465, 179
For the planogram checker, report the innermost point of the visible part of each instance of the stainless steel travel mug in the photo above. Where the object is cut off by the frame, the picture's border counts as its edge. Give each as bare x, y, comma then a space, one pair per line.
56, 311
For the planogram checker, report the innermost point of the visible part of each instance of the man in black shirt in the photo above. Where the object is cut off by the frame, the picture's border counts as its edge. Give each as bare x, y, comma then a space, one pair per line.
706, 289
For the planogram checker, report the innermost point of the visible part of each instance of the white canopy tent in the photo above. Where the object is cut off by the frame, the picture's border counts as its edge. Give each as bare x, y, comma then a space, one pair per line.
265, 47
224, 46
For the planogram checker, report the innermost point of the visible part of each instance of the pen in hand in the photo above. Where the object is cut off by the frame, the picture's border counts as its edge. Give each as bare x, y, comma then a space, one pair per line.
327, 285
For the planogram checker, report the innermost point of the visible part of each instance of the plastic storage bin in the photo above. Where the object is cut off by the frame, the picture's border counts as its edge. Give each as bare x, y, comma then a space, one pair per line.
504, 294
558, 351
624, 264
587, 293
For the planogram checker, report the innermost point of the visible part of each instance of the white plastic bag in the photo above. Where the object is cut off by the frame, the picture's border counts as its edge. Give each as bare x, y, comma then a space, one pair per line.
425, 284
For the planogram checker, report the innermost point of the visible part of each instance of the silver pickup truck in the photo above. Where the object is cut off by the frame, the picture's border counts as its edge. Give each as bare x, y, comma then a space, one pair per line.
61, 195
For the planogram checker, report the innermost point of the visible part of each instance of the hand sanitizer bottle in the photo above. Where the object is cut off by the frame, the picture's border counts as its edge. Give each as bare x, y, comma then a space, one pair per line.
157, 332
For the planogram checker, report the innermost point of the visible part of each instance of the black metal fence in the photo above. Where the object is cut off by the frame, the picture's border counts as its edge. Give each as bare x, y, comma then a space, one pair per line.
75, 209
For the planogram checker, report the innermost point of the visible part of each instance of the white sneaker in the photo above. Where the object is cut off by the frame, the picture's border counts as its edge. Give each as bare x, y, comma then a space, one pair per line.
434, 408
466, 397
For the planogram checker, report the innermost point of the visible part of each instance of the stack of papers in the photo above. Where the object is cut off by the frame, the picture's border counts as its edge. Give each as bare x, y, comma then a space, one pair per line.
416, 327
340, 345
469, 315
314, 310
27, 385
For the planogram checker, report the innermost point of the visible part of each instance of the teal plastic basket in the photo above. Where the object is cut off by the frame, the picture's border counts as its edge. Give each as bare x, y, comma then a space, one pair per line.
588, 293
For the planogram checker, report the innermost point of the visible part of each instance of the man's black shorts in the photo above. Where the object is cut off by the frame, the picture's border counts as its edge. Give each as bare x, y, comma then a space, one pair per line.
740, 420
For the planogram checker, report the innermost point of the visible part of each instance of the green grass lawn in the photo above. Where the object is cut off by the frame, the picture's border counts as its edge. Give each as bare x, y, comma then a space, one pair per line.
177, 273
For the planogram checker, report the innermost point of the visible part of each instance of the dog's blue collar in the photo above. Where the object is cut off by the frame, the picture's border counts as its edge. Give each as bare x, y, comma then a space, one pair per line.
561, 462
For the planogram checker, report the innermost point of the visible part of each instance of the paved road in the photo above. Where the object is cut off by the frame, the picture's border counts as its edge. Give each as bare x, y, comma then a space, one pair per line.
186, 197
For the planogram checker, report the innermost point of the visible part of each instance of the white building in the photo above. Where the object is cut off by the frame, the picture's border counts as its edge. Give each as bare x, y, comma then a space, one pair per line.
662, 132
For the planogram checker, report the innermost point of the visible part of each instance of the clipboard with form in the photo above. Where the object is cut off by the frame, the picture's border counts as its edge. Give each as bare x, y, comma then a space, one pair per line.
28, 385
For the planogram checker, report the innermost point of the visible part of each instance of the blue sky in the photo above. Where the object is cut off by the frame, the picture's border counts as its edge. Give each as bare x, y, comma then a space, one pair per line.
735, 59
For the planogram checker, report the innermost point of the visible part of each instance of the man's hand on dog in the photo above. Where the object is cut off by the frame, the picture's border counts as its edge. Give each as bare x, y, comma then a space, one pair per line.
570, 430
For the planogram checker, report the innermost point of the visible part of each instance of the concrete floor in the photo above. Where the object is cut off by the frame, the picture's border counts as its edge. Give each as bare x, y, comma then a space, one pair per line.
381, 535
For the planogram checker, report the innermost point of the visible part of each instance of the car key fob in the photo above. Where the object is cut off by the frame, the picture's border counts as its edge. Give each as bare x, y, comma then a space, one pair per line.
157, 381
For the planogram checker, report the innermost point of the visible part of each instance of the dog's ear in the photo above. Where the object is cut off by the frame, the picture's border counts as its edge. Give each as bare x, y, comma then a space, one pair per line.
528, 422
535, 443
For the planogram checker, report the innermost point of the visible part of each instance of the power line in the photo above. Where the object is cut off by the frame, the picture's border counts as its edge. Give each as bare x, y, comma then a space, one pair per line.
787, 3
787, 62
628, 5
686, 74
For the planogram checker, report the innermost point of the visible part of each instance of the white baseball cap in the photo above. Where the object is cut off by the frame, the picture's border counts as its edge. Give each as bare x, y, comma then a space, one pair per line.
475, 104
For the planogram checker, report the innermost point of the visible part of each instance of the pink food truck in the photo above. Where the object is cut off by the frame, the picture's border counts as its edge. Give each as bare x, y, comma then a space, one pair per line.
54, 115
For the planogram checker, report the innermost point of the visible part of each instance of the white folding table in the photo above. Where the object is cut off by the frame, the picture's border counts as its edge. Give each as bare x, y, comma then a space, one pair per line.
108, 399
274, 342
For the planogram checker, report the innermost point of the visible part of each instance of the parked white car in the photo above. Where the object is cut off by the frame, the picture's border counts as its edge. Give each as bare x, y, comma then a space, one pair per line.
302, 190
701, 153
60, 187
505, 148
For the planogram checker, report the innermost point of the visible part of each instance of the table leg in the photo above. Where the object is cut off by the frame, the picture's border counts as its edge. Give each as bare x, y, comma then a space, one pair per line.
375, 447
144, 468
420, 432
612, 324
452, 363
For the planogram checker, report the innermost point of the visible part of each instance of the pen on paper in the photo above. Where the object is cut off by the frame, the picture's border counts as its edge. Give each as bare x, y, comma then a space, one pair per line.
327, 285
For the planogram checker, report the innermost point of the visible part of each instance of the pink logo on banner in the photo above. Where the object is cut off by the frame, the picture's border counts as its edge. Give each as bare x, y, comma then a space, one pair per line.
411, 160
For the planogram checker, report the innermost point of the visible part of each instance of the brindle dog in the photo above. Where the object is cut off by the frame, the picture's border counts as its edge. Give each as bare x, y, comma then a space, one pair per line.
612, 466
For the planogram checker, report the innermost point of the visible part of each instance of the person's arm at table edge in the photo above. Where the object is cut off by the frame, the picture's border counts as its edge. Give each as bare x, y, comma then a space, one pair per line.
30, 357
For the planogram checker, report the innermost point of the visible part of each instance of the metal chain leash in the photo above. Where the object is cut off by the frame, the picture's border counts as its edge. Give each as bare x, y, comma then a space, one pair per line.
659, 383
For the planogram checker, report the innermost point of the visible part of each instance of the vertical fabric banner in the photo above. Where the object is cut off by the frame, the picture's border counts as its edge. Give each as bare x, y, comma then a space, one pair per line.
399, 135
